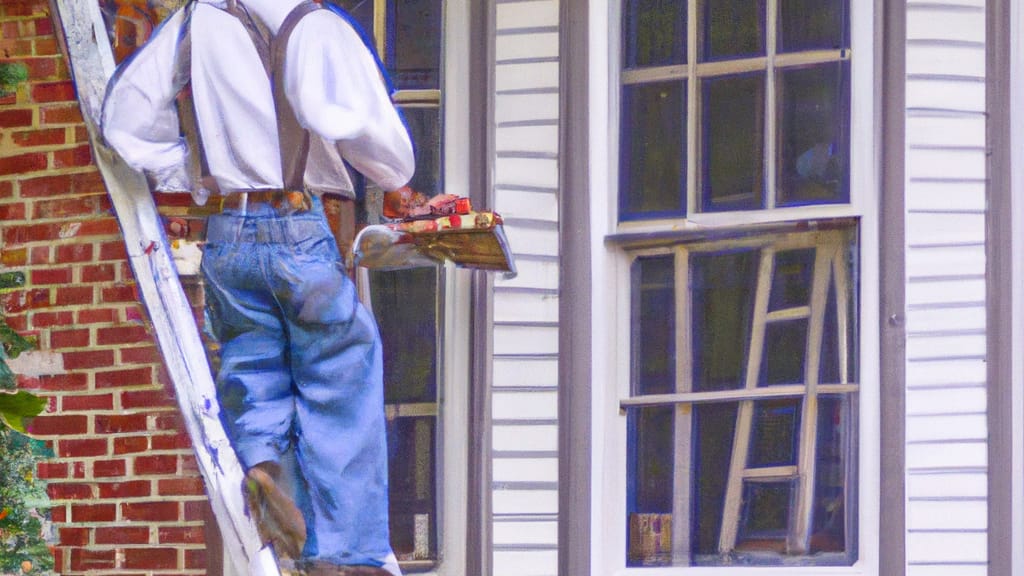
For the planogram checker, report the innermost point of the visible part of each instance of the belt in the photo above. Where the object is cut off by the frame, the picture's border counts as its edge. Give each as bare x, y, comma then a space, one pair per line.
284, 201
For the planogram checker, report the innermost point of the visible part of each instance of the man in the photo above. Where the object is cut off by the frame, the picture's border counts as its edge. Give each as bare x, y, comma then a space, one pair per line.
300, 358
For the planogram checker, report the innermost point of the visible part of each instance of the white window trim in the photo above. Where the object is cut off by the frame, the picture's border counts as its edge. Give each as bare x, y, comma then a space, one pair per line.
611, 321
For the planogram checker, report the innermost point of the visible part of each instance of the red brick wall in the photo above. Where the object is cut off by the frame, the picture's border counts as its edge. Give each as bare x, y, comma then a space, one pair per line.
126, 495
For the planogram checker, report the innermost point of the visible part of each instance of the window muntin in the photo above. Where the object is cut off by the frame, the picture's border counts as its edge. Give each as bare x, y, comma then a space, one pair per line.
721, 446
778, 37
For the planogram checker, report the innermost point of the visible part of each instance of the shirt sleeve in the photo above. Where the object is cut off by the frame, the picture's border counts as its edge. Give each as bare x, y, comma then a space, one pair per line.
140, 118
334, 86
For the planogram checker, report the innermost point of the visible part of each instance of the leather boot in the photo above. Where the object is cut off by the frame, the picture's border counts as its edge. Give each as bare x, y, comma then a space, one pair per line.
278, 520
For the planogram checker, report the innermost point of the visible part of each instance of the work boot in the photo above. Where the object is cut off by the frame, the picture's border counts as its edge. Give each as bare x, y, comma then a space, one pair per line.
278, 520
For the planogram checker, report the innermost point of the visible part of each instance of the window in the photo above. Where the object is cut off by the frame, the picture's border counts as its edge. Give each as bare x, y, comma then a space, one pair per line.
741, 234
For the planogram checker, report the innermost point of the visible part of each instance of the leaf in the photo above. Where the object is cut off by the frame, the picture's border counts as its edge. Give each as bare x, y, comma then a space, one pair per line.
14, 408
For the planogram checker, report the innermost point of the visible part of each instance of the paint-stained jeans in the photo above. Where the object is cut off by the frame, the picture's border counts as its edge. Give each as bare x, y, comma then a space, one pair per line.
301, 366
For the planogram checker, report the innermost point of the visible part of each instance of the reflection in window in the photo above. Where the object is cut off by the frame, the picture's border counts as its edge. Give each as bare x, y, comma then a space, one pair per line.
751, 454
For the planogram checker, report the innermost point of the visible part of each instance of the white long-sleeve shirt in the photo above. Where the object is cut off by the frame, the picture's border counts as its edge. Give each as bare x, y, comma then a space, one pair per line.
331, 80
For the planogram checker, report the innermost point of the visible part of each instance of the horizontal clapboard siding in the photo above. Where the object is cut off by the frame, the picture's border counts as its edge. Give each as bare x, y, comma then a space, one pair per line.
946, 426
524, 397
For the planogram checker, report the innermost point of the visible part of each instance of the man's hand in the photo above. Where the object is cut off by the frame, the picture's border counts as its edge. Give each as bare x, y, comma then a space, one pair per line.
404, 202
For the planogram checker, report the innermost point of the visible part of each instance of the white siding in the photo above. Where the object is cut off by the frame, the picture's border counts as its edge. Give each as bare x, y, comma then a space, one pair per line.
524, 400
946, 449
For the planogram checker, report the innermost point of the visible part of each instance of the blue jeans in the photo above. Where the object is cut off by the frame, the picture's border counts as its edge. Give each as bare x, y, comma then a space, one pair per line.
300, 367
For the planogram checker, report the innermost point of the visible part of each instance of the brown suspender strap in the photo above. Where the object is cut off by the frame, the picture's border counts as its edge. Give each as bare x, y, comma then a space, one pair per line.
293, 138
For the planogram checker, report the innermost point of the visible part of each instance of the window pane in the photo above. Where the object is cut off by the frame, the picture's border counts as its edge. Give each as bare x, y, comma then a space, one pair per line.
722, 303
652, 179
414, 43
765, 516
776, 432
424, 125
791, 284
361, 13
405, 305
654, 32
813, 25
713, 429
836, 465
413, 514
651, 460
733, 29
654, 322
732, 142
814, 135
785, 346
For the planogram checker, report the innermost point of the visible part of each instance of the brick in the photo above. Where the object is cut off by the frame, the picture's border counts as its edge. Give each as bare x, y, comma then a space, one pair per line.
47, 46
124, 378
81, 134
23, 234
70, 536
169, 421
82, 447
51, 276
78, 470
88, 403
90, 560
181, 535
196, 510
46, 186
59, 514
179, 441
123, 335
58, 425
16, 118
131, 400
71, 382
6, 188
41, 68
69, 491
74, 296
60, 114
97, 316
140, 355
72, 157
39, 255
77, 338
93, 513
129, 489
109, 468
39, 137
150, 558
44, 92
9, 212
23, 163
181, 487
113, 251
93, 227
150, 511
74, 253
23, 300
14, 257
114, 294
50, 319
119, 423
17, 323
99, 273
155, 465
71, 207
52, 470
43, 26
131, 444
195, 559
122, 535
88, 359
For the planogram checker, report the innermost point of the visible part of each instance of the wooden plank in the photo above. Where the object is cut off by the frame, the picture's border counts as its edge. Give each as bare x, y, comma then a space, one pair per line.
157, 280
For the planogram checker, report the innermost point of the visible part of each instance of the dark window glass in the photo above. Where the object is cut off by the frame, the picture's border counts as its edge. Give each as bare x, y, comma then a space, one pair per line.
405, 304
764, 516
785, 346
722, 305
791, 284
361, 13
834, 468
733, 29
654, 32
732, 138
814, 134
652, 179
411, 484
776, 428
414, 43
651, 461
424, 125
655, 325
713, 429
813, 25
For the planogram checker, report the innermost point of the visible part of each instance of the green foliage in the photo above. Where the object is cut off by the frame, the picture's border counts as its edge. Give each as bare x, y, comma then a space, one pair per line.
22, 498
11, 74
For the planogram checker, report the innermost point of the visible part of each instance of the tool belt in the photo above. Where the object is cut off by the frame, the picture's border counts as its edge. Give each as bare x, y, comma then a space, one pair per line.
284, 201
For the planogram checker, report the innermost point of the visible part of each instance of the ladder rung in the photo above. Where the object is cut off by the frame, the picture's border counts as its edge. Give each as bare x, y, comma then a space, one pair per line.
798, 313
771, 473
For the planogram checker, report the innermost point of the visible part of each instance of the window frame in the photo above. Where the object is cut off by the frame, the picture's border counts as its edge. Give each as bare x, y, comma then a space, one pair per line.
614, 243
